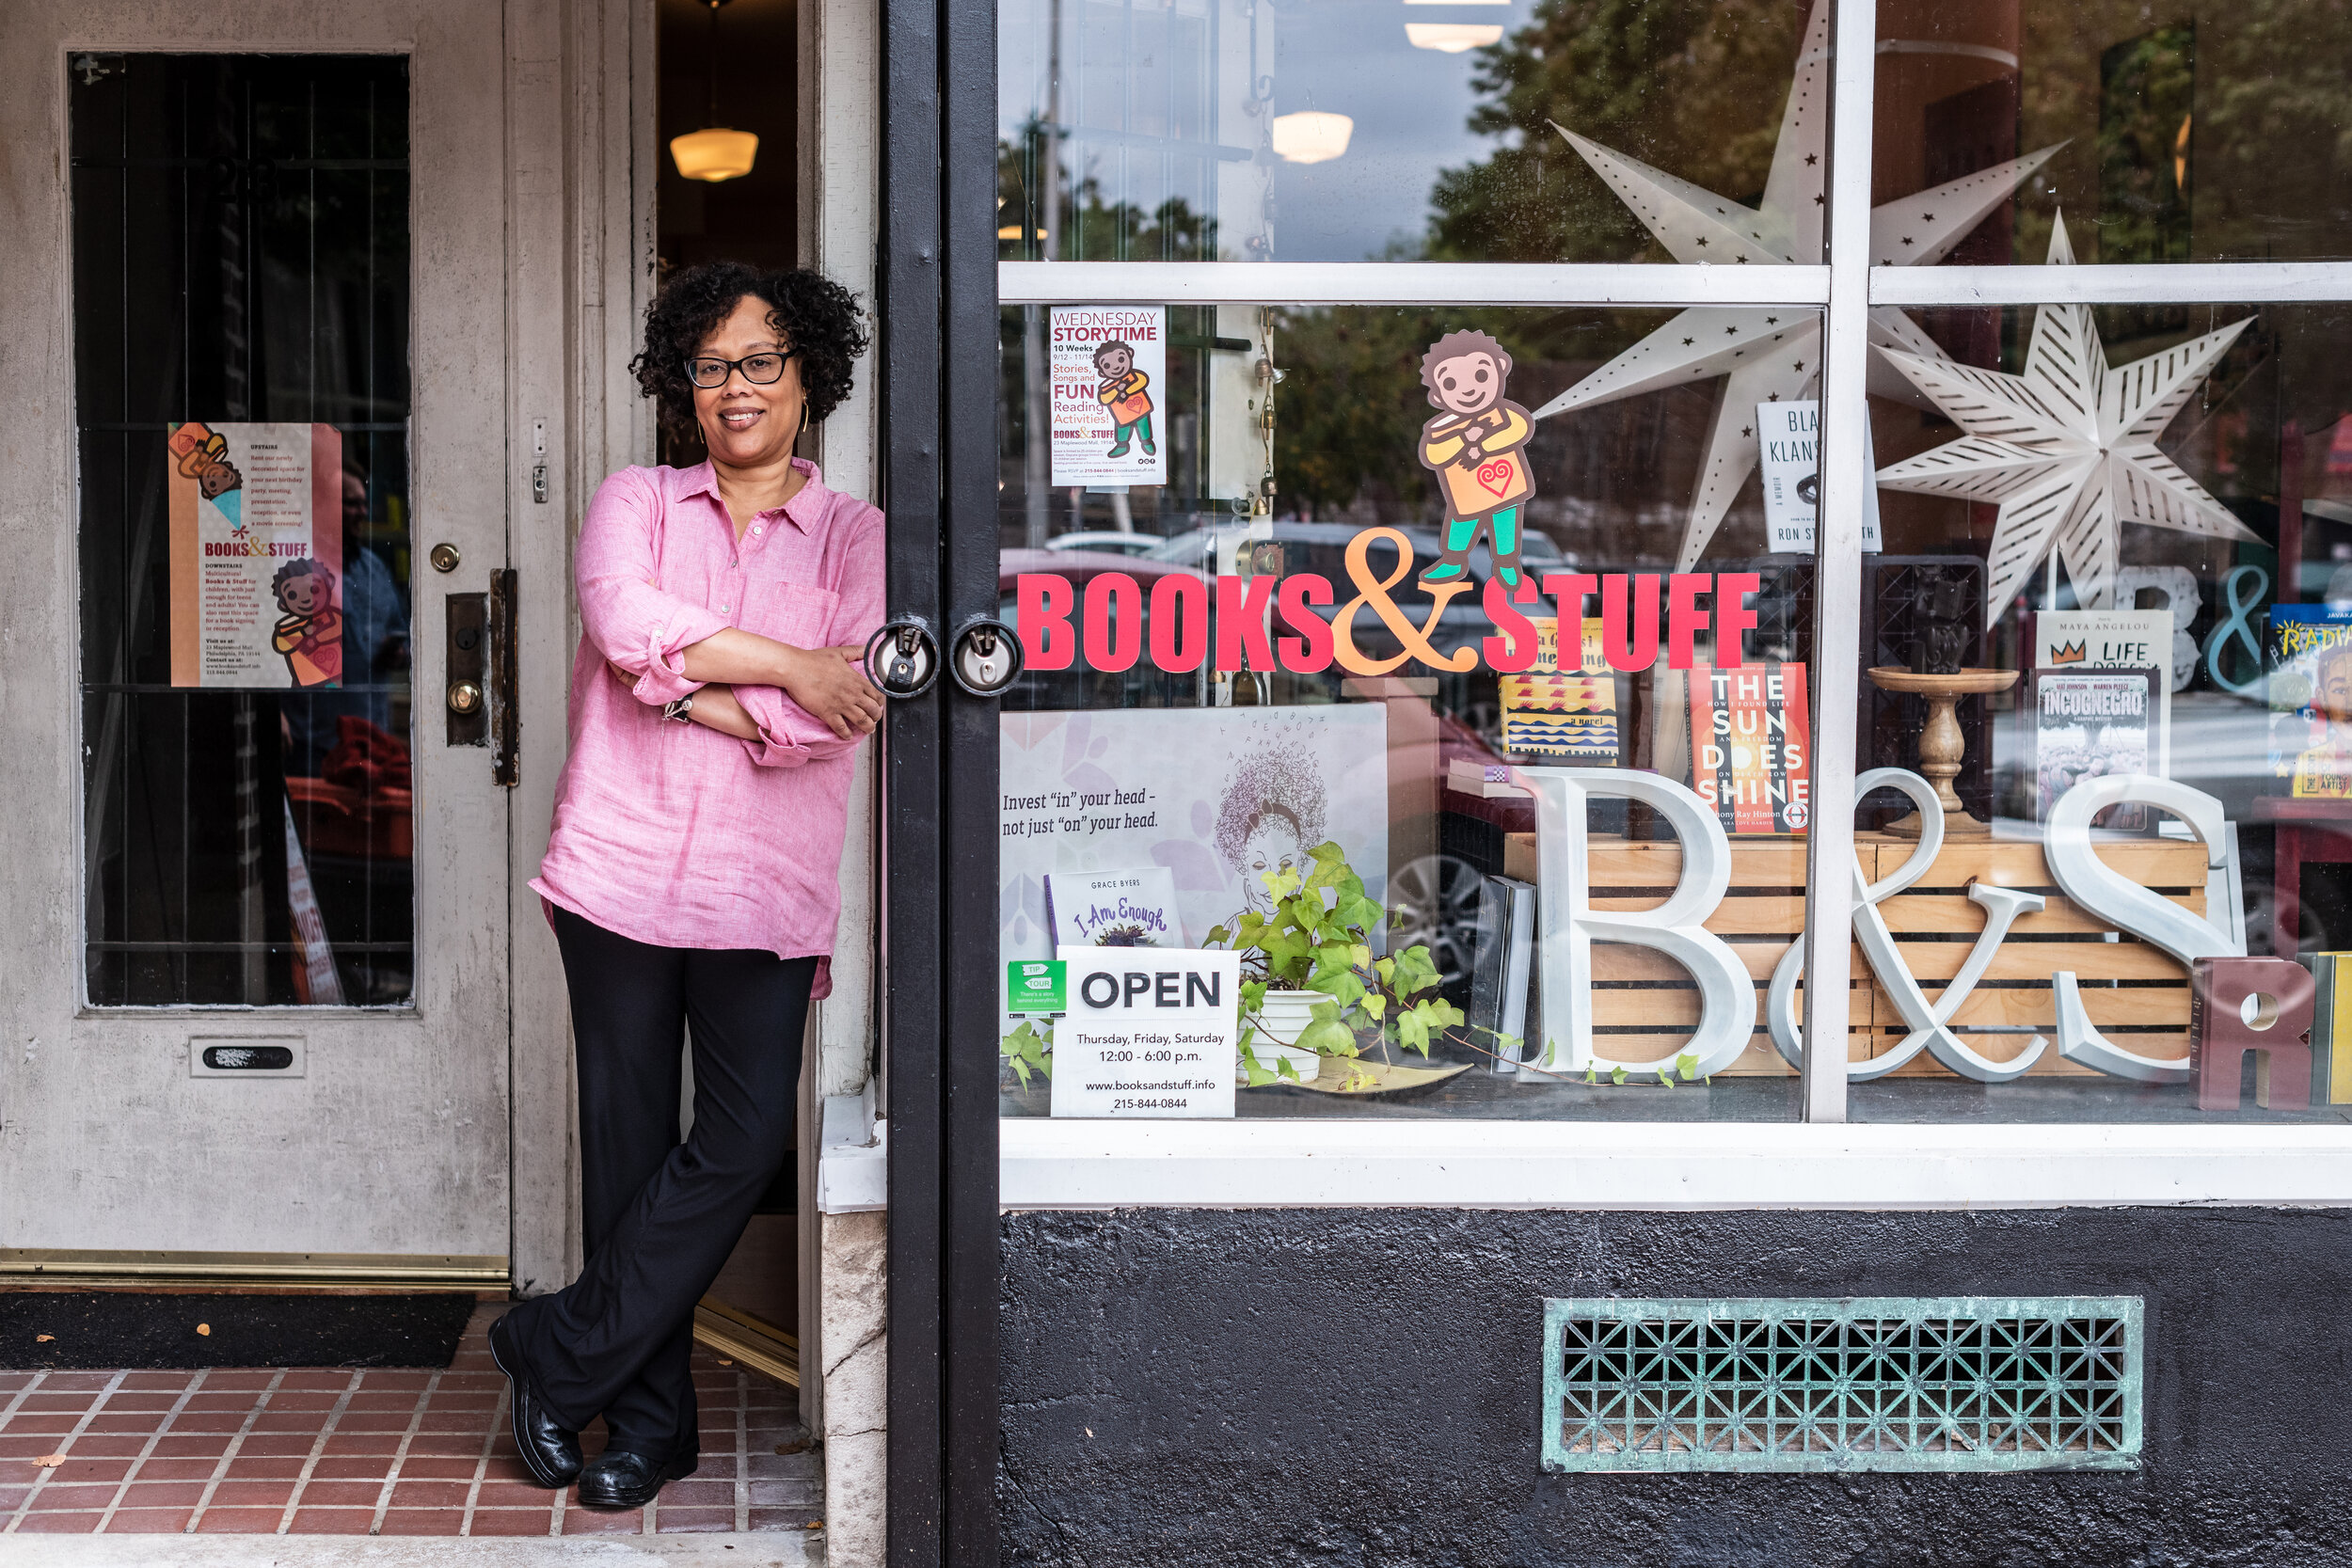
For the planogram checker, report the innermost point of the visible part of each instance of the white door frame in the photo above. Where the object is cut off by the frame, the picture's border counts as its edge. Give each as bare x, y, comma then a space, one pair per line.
531, 196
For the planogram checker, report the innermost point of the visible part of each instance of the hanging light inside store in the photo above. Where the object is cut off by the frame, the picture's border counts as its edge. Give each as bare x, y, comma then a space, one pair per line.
1451, 38
714, 153
1310, 137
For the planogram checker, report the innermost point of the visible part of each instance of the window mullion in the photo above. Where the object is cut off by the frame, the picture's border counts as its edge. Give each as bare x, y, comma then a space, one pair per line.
1837, 591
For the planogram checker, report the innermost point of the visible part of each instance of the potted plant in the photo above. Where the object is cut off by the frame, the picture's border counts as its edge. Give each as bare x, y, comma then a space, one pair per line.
1311, 983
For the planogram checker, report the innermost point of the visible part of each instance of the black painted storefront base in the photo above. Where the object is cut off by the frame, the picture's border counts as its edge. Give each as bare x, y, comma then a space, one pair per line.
1361, 1388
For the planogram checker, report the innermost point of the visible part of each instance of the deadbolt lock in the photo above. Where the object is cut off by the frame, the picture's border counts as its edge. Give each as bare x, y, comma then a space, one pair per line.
445, 557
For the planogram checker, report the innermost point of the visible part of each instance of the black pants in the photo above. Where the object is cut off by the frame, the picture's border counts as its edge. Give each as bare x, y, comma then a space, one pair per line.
660, 1217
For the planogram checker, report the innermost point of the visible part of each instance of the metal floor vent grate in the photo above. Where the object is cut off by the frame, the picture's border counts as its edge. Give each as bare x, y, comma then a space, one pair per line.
1878, 1382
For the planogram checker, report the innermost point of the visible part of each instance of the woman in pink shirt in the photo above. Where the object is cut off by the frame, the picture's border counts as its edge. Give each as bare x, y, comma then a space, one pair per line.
692, 873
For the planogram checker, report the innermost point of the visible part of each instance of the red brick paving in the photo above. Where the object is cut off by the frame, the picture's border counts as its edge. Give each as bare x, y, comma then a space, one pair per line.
333, 1451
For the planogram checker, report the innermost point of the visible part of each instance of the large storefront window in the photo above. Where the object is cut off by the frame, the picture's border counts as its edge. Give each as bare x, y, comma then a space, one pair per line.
1301, 693
1375, 130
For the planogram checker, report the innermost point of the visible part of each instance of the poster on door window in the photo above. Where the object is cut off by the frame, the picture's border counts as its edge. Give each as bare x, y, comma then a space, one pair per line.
1219, 796
1109, 368
257, 554
1146, 1033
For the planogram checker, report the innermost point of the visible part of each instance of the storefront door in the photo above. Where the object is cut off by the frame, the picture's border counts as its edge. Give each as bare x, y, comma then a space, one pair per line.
258, 460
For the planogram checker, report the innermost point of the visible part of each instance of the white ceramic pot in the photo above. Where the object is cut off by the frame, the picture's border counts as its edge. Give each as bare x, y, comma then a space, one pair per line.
1282, 1018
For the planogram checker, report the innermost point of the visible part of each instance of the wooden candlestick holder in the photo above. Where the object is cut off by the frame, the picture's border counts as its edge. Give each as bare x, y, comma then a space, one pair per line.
1941, 744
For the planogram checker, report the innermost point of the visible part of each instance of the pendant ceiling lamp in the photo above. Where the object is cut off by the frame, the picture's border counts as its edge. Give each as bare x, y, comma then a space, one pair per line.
714, 153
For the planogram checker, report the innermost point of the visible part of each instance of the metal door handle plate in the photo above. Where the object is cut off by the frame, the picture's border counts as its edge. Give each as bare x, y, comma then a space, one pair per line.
902, 658
988, 657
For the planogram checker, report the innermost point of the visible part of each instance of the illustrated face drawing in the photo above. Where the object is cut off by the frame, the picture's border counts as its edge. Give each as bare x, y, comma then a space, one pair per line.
1114, 360
1271, 815
1468, 383
217, 478
304, 589
1272, 846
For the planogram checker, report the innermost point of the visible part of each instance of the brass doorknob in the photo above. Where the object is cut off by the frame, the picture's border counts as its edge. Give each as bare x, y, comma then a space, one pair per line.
464, 697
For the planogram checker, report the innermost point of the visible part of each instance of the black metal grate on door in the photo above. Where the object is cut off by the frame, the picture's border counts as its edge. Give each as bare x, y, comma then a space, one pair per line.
240, 256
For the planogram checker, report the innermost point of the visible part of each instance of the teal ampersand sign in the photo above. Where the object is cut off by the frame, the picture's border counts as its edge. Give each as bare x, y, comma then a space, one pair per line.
2238, 628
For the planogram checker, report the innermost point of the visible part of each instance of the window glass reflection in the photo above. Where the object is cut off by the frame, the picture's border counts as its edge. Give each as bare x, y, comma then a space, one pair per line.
2182, 131
1365, 130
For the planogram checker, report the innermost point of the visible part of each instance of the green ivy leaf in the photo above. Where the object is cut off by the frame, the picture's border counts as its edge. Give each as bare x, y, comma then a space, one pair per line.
1687, 1065
1616, 1075
1328, 1036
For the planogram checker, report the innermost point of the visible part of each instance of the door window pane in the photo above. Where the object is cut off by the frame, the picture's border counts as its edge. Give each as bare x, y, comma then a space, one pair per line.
2130, 590
241, 349
1266, 592
2189, 131
1401, 130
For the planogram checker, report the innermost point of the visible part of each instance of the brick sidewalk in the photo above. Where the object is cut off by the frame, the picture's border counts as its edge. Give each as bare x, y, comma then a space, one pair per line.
323, 1451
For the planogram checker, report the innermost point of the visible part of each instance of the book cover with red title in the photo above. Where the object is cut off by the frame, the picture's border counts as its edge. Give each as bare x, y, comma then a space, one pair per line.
1751, 748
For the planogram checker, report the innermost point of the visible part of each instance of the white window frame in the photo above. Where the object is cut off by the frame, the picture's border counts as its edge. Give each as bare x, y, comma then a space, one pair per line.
1815, 1161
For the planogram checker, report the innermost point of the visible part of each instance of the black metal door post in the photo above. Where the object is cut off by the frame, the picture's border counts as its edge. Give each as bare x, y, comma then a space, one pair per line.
938, 343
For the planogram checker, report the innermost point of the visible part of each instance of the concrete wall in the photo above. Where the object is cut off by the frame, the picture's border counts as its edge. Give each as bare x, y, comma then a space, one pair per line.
1361, 1388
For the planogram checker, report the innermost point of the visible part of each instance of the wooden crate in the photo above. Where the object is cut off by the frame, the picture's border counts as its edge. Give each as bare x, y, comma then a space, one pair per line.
1644, 1005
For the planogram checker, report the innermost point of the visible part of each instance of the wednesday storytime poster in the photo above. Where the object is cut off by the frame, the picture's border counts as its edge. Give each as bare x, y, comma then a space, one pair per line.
1109, 365
257, 554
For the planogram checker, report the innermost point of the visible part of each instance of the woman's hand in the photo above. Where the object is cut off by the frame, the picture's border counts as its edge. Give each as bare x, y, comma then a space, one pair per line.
715, 708
830, 684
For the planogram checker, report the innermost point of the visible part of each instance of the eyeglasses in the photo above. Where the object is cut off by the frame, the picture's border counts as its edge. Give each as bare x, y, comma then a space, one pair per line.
760, 370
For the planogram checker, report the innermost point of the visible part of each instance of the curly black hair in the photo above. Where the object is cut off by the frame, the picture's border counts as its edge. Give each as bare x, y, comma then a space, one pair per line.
813, 313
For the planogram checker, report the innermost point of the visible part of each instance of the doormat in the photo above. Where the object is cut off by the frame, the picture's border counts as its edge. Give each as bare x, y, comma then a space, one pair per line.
84, 1330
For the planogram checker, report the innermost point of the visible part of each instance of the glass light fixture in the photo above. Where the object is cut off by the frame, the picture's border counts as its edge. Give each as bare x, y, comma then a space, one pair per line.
714, 152
1452, 38
1312, 135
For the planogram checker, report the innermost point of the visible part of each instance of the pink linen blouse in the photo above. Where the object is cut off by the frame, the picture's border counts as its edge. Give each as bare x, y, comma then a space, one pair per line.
674, 834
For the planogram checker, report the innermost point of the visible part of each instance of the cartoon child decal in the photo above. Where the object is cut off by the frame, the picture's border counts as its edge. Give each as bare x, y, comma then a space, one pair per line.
310, 632
1122, 393
1474, 446
202, 454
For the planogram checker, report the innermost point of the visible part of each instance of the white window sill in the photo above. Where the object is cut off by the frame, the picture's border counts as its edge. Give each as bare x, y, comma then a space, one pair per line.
1526, 1165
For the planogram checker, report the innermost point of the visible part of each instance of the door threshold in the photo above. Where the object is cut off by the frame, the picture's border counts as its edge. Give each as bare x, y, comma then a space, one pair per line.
37, 1267
758, 1344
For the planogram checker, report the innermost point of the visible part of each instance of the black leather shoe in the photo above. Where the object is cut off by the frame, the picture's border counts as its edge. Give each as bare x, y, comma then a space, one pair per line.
619, 1479
551, 1452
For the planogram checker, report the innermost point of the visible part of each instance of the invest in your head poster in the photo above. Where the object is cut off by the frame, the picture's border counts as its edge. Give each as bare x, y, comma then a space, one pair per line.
257, 554
1218, 795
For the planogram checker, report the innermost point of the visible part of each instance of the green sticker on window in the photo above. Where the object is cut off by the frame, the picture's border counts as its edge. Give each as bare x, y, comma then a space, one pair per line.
1036, 986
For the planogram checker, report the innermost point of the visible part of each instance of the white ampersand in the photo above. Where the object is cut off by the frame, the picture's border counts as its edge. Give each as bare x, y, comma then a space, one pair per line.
2099, 888
1567, 925
1929, 1023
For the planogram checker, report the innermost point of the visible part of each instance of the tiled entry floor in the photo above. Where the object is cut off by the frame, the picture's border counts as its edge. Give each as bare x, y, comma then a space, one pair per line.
332, 1451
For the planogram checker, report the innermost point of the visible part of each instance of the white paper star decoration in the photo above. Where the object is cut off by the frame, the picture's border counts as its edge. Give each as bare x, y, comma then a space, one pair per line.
1770, 354
2068, 449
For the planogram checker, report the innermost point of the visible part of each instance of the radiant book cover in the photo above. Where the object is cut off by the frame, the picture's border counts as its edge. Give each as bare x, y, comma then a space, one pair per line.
2308, 656
1751, 748
1567, 716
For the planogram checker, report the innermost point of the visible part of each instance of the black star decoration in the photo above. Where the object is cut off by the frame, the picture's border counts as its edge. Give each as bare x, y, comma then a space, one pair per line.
1812, 158
1746, 430
1688, 341
1731, 332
